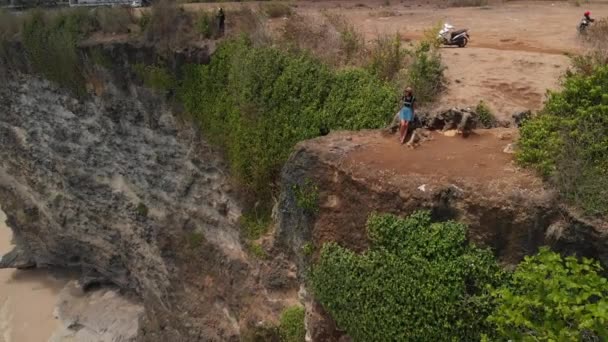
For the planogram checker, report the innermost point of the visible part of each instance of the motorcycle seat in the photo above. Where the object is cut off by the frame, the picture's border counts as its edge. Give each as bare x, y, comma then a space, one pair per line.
457, 32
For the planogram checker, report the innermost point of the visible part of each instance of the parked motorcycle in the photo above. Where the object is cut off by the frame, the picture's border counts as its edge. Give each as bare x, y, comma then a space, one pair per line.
448, 36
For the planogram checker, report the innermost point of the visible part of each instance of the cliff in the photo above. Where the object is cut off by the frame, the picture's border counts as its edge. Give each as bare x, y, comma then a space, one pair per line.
472, 180
120, 188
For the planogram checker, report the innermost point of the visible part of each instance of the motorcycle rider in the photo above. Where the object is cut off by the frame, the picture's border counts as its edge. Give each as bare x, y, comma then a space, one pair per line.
585, 22
587, 17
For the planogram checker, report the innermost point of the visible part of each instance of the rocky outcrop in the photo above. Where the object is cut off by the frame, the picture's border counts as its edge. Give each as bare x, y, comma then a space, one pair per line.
471, 180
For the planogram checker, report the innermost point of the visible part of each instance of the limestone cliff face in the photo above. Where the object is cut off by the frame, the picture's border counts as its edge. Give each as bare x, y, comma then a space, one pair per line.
471, 180
119, 188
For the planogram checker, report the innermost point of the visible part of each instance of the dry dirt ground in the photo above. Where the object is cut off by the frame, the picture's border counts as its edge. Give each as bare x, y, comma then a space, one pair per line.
518, 49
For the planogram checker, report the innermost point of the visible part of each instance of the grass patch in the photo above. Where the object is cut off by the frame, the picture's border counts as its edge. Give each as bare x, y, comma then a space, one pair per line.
195, 240
307, 196
277, 9
254, 225
291, 327
206, 25
155, 77
142, 210
308, 249
257, 250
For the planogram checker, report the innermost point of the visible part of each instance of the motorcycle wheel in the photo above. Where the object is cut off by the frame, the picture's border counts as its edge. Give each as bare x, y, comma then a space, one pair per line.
463, 42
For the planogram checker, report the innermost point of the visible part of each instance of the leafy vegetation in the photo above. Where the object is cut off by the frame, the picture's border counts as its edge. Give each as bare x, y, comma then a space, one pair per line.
291, 327
387, 57
425, 73
206, 25
50, 43
551, 298
484, 114
419, 281
254, 224
155, 77
308, 249
307, 196
195, 239
568, 141
258, 102
257, 250
142, 209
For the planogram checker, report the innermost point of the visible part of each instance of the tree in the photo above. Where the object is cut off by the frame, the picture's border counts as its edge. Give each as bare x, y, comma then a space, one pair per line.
419, 281
551, 298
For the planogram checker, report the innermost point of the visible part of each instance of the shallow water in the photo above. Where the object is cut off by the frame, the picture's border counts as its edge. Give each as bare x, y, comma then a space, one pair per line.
27, 299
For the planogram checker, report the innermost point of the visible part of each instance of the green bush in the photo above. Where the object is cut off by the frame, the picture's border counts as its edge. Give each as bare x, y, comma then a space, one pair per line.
387, 57
50, 43
155, 77
486, 118
258, 102
425, 73
205, 24
551, 298
568, 141
195, 239
307, 196
419, 281
254, 224
292, 327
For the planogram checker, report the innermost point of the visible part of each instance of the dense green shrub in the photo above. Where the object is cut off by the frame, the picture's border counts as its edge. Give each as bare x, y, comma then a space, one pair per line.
486, 118
568, 140
419, 281
551, 298
50, 43
258, 102
291, 326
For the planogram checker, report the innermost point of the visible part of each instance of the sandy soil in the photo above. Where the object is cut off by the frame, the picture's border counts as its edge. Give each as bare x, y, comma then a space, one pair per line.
27, 299
448, 155
518, 48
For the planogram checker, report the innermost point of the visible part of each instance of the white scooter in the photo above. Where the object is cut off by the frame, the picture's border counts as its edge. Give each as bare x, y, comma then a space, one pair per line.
459, 38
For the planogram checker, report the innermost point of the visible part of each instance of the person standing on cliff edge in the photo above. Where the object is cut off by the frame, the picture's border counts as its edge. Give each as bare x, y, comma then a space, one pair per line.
406, 115
221, 18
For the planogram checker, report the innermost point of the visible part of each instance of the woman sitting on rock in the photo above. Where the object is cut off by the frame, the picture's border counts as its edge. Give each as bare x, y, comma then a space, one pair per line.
406, 115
